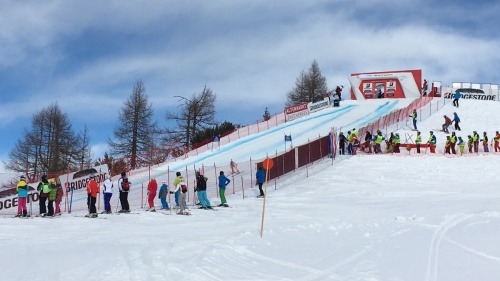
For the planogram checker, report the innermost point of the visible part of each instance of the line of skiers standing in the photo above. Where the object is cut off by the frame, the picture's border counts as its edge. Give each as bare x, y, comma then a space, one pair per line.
394, 142
472, 143
152, 190
50, 193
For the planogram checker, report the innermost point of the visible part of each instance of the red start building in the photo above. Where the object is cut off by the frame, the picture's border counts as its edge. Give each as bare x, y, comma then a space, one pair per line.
386, 84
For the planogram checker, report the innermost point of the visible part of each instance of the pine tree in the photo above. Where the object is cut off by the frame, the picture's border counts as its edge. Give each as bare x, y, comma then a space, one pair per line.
266, 115
308, 87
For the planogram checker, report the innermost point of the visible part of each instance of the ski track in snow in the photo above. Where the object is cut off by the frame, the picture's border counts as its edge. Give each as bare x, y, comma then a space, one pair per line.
437, 238
472, 251
314, 120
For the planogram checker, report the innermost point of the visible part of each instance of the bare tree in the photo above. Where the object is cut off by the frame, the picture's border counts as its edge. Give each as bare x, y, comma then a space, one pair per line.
84, 150
196, 113
135, 132
308, 87
48, 148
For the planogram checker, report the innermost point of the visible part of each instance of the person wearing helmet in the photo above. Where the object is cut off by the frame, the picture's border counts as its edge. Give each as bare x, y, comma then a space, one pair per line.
418, 141
59, 197
461, 145
177, 180
355, 132
453, 142
378, 140
52, 197
414, 118
22, 197
44, 189
497, 141
152, 188
432, 142
396, 142
342, 141
447, 123
424, 88
108, 193
124, 182
470, 143
475, 140
456, 97
349, 142
389, 144
92, 191
162, 195
354, 143
447, 145
366, 144
456, 120
485, 142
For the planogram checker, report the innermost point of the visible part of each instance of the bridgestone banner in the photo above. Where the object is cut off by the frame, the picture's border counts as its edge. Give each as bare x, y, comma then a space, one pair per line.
75, 181
317, 106
472, 96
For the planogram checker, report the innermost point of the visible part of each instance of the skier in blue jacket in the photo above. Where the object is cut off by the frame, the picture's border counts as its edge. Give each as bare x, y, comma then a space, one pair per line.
456, 97
260, 175
162, 195
456, 119
223, 182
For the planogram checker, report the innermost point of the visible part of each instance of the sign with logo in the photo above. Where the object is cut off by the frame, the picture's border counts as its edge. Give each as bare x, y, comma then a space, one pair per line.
474, 94
368, 90
296, 111
72, 181
317, 106
390, 88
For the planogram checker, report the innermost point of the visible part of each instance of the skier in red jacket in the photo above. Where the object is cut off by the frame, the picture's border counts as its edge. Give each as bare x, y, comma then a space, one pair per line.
447, 123
152, 188
92, 191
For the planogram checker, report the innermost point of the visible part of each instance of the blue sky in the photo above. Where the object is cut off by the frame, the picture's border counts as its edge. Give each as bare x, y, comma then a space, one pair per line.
87, 55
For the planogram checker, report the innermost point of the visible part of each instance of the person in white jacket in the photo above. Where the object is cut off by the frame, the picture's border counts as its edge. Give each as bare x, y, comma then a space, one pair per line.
182, 198
107, 190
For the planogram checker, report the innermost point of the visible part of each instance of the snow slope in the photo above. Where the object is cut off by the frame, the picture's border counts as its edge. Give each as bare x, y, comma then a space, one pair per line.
368, 217
352, 114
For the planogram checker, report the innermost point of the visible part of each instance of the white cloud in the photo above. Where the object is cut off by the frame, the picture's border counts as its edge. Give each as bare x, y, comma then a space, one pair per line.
87, 57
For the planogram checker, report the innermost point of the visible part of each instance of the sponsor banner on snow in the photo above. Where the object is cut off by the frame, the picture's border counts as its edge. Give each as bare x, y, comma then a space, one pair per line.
296, 111
317, 106
303, 109
78, 180
475, 96
296, 108
73, 181
9, 198
297, 115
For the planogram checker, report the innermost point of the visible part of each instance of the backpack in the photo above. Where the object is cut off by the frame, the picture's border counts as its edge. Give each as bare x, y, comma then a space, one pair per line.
45, 187
125, 184
184, 188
